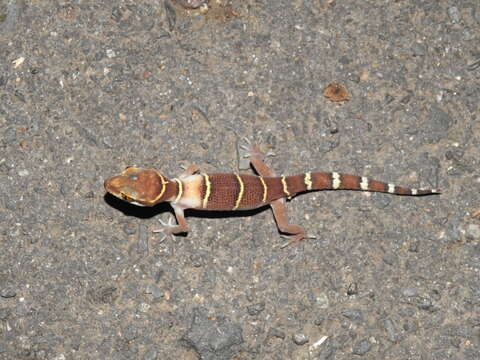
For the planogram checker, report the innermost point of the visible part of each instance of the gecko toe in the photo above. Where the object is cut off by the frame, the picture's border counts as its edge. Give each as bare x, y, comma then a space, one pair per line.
166, 228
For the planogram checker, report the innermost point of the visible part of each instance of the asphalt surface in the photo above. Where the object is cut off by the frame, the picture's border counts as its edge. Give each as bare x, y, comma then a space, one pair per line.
87, 88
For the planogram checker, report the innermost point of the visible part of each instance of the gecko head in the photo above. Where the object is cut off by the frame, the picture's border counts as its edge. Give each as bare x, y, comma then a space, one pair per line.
143, 187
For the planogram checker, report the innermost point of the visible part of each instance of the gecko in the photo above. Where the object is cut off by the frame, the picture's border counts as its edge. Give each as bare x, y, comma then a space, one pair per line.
234, 191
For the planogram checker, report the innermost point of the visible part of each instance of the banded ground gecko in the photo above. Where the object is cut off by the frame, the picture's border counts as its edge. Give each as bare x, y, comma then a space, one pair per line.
225, 192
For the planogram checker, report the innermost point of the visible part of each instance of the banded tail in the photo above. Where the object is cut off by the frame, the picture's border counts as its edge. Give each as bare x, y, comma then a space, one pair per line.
336, 181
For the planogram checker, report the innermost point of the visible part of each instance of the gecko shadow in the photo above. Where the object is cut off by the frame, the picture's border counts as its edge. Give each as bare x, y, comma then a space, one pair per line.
146, 212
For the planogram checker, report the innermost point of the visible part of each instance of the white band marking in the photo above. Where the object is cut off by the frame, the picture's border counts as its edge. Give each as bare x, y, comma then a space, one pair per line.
308, 180
391, 188
364, 183
336, 182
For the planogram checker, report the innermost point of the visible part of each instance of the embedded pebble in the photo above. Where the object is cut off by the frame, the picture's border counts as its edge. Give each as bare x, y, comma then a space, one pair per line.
390, 328
362, 347
353, 314
256, 309
419, 49
473, 231
154, 291
8, 292
150, 355
300, 339
410, 292
276, 333
192, 4
454, 14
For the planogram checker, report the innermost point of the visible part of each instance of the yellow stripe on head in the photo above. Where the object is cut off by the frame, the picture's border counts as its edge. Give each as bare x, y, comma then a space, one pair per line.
164, 187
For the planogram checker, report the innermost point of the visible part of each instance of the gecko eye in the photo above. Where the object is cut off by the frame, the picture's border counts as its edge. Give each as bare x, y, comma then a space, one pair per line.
126, 197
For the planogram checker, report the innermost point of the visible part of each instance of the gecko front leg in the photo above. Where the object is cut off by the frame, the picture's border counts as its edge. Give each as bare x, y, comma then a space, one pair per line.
169, 228
190, 170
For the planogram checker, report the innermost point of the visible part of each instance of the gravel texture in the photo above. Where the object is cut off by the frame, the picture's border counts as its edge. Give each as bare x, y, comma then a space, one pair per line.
88, 87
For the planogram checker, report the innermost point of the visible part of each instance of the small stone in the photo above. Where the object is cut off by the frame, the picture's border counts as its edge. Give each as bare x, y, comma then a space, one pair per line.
300, 339
103, 295
117, 14
352, 289
154, 291
4, 313
142, 244
8, 292
468, 34
353, 314
390, 328
410, 325
192, 4
362, 347
437, 125
319, 320
426, 304
322, 301
473, 231
388, 99
454, 14
144, 307
256, 309
130, 228
110, 53
150, 355
4, 347
130, 333
406, 99
413, 247
276, 333
197, 260
410, 292
389, 259
213, 337
419, 49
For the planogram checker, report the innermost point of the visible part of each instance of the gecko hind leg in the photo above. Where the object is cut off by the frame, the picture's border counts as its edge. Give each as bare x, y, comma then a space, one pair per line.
257, 157
297, 232
278, 206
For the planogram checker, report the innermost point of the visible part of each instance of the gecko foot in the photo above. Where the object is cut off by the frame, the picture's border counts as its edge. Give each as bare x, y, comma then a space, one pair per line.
294, 239
252, 150
167, 228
